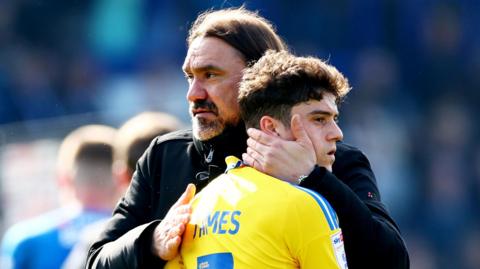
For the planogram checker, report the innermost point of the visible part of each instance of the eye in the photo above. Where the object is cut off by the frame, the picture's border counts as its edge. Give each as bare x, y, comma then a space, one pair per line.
336, 119
188, 77
209, 75
321, 120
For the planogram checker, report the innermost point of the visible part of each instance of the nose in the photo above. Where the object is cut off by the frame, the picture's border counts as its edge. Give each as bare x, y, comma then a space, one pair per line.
335, 133
196, 91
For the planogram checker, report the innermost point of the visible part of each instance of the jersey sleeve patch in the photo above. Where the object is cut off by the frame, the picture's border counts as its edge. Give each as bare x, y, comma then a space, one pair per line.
337, 242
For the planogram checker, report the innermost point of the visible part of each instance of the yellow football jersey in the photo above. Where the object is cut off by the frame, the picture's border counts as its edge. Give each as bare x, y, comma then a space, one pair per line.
246, 219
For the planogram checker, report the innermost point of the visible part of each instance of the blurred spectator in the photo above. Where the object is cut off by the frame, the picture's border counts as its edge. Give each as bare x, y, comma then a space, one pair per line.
476, 172
449, 180
470, 249
441, 43
85, 180
133, 138
131, 141
27, 170
377, 92
421, 252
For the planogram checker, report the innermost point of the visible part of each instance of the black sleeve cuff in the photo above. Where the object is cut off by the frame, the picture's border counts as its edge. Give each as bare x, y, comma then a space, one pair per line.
314, 179
145, 243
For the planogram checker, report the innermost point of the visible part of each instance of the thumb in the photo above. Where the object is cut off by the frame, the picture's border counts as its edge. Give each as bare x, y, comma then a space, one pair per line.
191, 190
298, 131
187, 195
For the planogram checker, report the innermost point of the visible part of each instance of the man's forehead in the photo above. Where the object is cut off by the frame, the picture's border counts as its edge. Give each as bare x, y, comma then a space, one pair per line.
201, 62
210, 52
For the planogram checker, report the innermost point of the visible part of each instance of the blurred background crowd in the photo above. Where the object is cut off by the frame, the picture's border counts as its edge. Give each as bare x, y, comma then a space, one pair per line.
414, 66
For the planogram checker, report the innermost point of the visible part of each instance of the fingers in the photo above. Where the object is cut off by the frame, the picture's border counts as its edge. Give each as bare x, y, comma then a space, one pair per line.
253, 159
258, 147
181, 214
170, 248
177, 216
255, 155
176, 231
173, 243
297, 128
259, 136
247, 159
168, 234
299, 132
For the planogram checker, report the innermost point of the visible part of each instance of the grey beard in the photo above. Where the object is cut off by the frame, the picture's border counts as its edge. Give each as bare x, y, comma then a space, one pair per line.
204, 130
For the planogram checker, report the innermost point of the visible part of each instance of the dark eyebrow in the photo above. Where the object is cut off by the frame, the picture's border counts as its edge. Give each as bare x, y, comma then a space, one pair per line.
322, 112
209, 67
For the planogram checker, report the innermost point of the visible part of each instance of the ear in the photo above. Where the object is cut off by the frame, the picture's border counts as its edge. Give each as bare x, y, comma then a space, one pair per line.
270, 125
122, 175
65, 187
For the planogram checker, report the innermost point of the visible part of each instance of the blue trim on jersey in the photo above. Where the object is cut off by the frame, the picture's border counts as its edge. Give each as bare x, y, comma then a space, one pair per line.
325, 206
231, 166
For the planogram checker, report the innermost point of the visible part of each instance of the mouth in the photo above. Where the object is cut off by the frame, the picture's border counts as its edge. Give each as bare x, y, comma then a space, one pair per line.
203, 108
201, 111
331, 152
203, 114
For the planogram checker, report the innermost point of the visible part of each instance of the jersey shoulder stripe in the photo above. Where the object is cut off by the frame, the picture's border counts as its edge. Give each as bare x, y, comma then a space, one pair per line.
325, 206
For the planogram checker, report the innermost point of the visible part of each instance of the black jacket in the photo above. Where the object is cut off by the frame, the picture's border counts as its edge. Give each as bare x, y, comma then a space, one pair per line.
371, 237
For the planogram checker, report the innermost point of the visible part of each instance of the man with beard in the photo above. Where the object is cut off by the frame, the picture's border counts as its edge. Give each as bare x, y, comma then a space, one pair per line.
148, 224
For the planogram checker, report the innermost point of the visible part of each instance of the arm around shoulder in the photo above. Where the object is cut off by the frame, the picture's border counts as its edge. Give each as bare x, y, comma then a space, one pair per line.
372, 239
126, 240
131, 250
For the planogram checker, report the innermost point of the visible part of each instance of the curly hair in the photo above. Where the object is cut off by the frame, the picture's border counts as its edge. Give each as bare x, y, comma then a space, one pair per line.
280, 80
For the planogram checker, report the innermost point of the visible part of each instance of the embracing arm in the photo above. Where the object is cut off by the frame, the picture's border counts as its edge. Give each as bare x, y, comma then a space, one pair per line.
133, 238
144, 244
372, 239
123, 242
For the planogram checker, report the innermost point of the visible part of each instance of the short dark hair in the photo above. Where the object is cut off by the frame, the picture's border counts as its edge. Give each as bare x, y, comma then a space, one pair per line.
86, 154
280, 80
246, 31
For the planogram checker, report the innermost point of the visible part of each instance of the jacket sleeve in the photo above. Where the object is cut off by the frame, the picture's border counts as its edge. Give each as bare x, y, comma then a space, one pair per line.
126, 240
372, 239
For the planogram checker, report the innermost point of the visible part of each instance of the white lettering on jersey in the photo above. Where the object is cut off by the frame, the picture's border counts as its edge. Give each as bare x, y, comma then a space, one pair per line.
337, 241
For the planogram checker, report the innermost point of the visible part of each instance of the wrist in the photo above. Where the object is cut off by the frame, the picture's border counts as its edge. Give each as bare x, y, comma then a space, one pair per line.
300, 179
153, 246
315, 177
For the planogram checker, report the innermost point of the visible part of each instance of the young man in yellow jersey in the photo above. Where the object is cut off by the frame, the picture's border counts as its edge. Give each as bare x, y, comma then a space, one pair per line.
247, 219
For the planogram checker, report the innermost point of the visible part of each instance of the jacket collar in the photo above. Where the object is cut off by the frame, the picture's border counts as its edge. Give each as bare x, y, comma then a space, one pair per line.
232, 141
